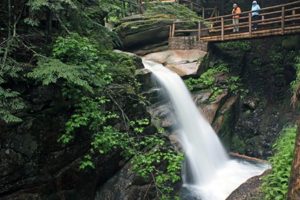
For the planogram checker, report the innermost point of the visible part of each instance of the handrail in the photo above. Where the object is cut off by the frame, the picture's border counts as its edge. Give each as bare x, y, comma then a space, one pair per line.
284, 17
263, 9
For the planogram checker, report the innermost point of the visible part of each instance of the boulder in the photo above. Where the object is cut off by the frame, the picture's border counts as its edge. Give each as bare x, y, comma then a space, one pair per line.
250, 190
138, 31
182, 62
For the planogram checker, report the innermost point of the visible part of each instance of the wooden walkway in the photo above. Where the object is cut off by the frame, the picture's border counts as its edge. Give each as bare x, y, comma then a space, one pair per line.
276, 20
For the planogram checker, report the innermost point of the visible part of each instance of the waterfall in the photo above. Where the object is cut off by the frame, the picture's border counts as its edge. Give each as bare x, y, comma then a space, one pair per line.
208, 171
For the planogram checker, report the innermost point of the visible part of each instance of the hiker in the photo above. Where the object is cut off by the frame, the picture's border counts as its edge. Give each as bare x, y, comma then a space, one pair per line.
236, 11
255, 14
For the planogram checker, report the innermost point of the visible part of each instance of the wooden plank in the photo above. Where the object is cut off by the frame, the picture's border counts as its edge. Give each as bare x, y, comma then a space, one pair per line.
292, 9
250, 23
222, 31
282, 20
173, 29
199, 30
264, 33
186, 30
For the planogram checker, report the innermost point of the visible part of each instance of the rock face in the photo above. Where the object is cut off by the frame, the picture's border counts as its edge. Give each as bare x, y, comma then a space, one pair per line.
126, 185
265, 69
138, 32
34, 166
250, 190
183, 62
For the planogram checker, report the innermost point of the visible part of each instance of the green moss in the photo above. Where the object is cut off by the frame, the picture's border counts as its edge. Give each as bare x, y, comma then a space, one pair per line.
208, 81
237, 144
171, 10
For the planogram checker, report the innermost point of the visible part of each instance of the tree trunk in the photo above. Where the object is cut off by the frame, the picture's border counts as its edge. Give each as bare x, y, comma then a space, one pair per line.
294, 185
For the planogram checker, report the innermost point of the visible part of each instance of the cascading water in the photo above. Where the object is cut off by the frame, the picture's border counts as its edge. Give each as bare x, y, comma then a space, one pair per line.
210, 174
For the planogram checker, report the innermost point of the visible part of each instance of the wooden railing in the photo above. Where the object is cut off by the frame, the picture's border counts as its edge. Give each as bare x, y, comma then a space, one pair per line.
275, 20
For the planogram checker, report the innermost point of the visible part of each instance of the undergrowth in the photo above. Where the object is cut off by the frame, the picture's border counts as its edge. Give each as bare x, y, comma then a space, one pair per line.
275, 184
208, 80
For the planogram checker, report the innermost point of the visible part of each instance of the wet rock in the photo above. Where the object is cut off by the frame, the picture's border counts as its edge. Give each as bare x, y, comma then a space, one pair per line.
175, 141
144, 76
227, 109
250, 103
210, 109
202, 97
183, 62
23, 196
163, 115
250, 190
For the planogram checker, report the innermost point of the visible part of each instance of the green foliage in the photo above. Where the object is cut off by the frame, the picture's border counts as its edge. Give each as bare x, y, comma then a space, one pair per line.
138, 125
49, 71
97, 81
40, 6
90, 113
87, 162
75, 48
207, 81
110, 139
291, 42
238, 145
10, 101
151, 165
235, 46
171, 10
77, 66
295, 85
275, 184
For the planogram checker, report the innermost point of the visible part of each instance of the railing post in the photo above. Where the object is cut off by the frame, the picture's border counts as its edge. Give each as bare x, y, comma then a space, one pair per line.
250, 23
282, 19
222, 28
199, 30
203, 13
173, 29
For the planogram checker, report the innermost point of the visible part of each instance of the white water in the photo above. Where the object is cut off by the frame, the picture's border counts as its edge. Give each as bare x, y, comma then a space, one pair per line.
210, 174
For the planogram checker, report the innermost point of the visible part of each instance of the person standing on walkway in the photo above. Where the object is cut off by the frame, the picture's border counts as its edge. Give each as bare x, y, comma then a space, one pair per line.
236, 11
255, 14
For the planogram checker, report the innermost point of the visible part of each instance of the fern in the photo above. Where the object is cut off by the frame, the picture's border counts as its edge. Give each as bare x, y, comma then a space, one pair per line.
10, 103
49, 71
